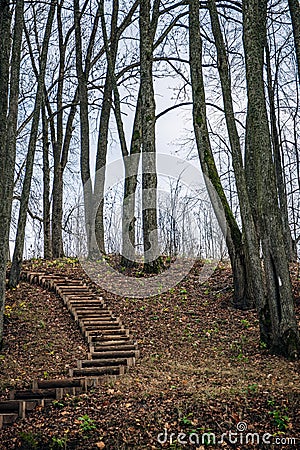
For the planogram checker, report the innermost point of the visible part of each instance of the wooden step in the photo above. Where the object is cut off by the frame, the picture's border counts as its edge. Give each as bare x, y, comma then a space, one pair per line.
71, 289
105, 339
32, 394
100, 321
111, 348
94, 340
85, 312
114, 354
113, 328
98, 371
9, 406
98, 330
101, 314
83, 296
93, 313
81, 364
84, 301
95, 323
19, 407
100, 309
96, 309
57, 383
108, 337
53, 283
90, 326
7, 419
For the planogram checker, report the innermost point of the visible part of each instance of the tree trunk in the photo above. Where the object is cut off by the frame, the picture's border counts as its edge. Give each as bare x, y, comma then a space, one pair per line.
57, 193
101, 161
61, 141
19, 244
82, 77
149, 175
284, 336
220, 204
84, 128
131, 175
9, 96
248, 271
46, 188
5, 48
111, 53
57, 205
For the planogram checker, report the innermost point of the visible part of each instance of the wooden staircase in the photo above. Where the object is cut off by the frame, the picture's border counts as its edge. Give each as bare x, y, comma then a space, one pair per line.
111, 349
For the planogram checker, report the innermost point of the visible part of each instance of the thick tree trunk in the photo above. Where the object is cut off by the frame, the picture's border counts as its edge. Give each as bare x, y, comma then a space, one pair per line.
57, 193
284, 336
19, 244
223, 212
131, 176
9, 96
103, 142
57, 207
101, 161
5, 48
248, 270
149, 183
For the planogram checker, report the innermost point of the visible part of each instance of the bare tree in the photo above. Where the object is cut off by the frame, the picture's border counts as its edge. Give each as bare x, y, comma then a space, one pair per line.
283, 337
19, 244
244, 298
9, 96
149, 195
61, 136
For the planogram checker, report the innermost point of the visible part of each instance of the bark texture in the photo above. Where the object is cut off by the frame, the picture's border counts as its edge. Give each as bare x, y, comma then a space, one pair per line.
9, 96
149, 183
46, 188
131, 176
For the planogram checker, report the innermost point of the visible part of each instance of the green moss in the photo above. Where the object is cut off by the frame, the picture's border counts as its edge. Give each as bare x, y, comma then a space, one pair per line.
136, 135
199, 120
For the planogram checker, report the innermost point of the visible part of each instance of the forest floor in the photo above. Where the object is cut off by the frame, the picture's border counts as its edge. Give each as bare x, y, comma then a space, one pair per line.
202, 372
